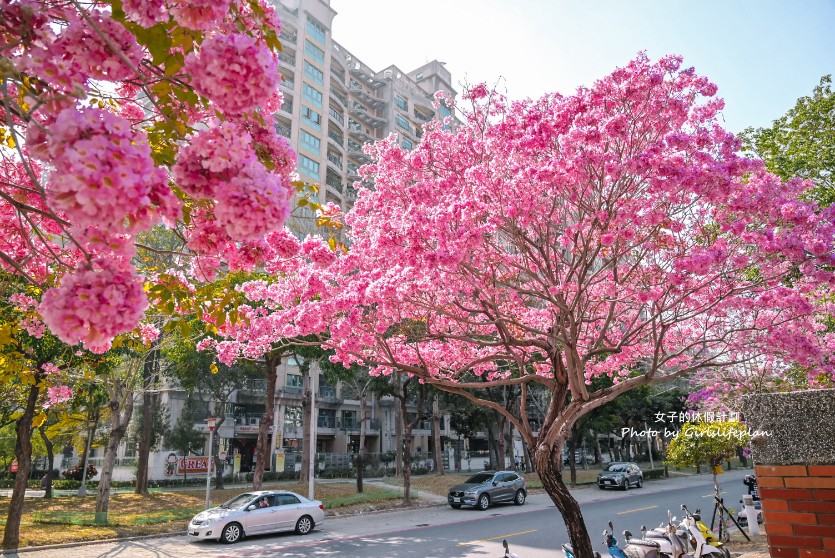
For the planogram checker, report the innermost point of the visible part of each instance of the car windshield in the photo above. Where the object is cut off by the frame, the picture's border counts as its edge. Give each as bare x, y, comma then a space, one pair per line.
616, 468
237, 501
480, 478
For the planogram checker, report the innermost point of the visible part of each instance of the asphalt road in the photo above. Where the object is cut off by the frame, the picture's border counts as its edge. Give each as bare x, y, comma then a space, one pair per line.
535, 530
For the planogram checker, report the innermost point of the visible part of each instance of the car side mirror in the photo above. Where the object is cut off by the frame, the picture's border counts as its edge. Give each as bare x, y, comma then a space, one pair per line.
250, 508
495, 483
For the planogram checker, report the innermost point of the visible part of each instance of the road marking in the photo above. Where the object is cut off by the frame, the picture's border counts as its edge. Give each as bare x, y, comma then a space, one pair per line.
637, 510
496, 538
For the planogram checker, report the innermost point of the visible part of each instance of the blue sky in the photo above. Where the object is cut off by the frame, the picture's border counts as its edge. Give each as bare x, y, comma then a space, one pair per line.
762, 55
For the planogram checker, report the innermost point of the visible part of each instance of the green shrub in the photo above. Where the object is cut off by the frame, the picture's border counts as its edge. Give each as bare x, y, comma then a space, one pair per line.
652, 474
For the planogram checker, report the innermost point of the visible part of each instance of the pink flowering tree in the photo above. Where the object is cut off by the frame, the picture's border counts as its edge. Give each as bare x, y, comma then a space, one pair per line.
613, 232
118, 117
258, 333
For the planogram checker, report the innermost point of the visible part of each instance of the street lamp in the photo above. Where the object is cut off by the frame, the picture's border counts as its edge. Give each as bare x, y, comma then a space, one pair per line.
82, 491
211, 421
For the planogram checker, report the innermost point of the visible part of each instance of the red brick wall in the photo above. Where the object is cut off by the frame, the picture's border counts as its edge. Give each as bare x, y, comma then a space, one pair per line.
799, 509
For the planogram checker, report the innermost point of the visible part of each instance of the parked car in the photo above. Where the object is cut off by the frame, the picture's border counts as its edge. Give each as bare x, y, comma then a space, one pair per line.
620, 474
489, 487
254, 513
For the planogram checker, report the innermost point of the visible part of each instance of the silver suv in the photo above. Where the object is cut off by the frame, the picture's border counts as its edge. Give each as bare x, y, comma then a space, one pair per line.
489, 487
621, 474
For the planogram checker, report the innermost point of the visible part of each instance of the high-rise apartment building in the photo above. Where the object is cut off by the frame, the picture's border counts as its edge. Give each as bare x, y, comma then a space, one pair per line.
334, 103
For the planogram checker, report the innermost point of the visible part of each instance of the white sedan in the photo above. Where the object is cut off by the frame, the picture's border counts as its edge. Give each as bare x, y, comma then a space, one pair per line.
254, 513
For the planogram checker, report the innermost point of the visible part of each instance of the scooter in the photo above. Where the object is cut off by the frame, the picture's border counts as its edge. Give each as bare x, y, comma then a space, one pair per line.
507, 552
643, 547
700, 545
568, 551
672, 541
707, 533
612, 543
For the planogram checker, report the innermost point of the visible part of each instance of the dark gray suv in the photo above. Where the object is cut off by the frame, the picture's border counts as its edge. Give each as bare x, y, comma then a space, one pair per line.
621, 474
489, 487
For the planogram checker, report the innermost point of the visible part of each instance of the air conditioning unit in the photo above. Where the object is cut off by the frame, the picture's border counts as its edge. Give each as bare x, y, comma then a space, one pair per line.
387, 74
254, 421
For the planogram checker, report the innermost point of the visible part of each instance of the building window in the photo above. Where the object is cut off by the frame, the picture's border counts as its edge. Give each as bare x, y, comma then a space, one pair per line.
327, 418
406, 144
312, 117
418, 76
313, 95
310, 141
314, 73
402, 122
314, 52
349, 419
293, 417
401, 103
295, 381
309, 166
316, 30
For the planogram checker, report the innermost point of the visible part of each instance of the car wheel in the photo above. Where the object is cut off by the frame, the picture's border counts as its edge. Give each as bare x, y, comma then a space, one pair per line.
232, 533
455, 506
520, 497
625, 484
483, 502
640, 482
601, 487
304, 525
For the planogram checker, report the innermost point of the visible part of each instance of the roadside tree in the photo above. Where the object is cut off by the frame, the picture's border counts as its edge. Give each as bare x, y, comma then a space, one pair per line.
613, 232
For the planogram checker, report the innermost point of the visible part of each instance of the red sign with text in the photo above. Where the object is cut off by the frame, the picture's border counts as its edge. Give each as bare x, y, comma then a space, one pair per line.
192, 465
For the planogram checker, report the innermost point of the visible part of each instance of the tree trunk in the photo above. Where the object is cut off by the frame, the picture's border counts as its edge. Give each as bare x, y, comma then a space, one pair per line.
119, 421
407, 454
360, 463
149, 407
399, 417
307, 413
436, 436
549, 467
50, 460
266, 421
23, 452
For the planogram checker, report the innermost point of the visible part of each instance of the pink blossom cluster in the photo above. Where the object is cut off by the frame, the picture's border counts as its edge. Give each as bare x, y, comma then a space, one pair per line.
56, 395
221, 163
148, 333
146, 13
93, 304
236, 72
203, 15
50, 368
104, 174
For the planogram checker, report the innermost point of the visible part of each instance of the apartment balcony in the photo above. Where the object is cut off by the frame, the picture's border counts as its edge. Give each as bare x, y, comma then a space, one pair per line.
336, 138
360, 93
287, 106
353, 172
283, 130
360, 135
287, 60
341, 98
362, 114
254, 387
364, 74
336, 117
335, 183
337, 71
422, 116
335, 162
327, 394
288, 84
355, 150
288, 37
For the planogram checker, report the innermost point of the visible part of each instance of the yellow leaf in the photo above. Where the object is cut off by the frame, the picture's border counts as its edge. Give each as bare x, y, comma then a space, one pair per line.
5, 334
39, 420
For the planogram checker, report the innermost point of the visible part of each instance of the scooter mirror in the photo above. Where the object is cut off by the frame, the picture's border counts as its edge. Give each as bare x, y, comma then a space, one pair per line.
683, 507
504, 543
627, 535
611, 527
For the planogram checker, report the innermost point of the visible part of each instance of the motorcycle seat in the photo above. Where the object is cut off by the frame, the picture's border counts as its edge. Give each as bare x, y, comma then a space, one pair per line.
644, 542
